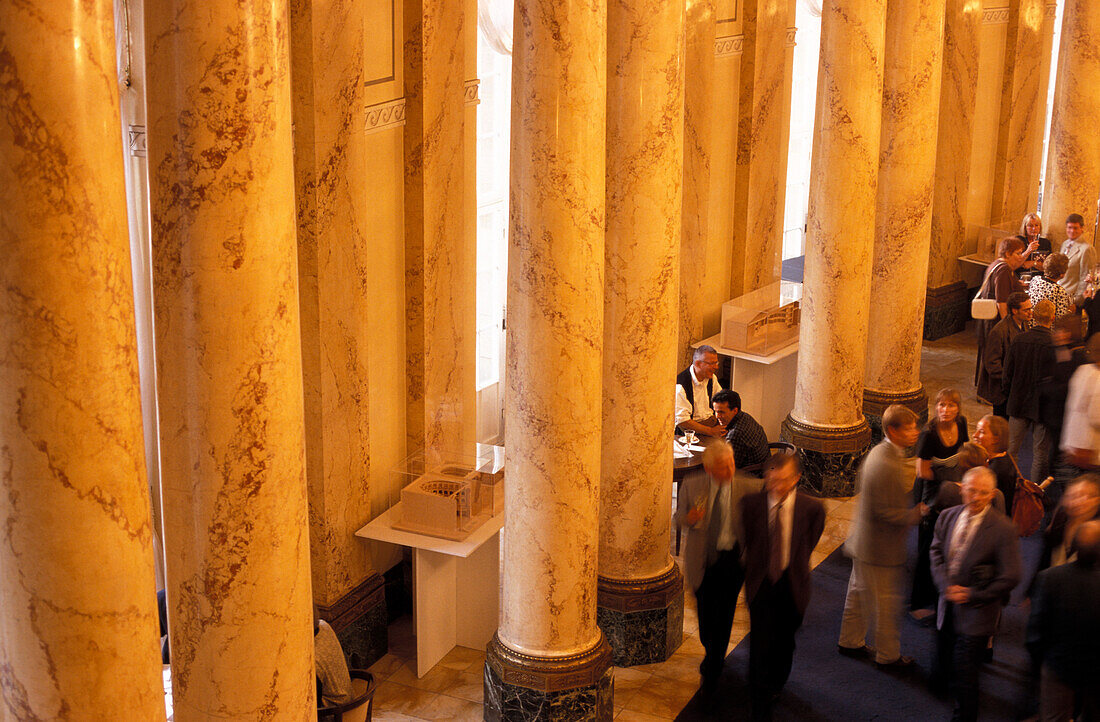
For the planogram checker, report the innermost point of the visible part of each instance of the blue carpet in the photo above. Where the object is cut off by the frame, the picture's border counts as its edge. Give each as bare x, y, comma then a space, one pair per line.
827, 686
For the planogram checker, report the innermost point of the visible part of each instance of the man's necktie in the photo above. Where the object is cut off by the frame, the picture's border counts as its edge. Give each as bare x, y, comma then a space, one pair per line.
959, 547
717, 517
775, 544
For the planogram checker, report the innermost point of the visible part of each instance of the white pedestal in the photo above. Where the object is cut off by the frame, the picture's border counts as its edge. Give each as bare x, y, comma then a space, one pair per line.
456, 586
765, 383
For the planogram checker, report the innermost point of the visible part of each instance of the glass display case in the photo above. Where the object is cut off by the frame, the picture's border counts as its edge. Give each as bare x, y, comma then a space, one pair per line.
762, 321
989, 237
451, 491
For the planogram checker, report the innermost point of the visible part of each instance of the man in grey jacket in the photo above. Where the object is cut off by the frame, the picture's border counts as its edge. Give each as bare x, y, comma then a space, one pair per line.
975, 563
876, 544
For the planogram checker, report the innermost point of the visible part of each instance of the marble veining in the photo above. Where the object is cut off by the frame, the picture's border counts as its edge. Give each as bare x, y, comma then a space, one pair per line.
958, 93
642, 250
554, 376
698, 140
78, 629
910, 102
644, 637
763, 126
511, 703
840, 233
1023, 110
1073, 159
229, 359
440, 262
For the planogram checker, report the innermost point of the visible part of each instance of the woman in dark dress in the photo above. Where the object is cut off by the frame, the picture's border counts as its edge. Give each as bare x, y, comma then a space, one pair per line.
992, 434
945, 433
1038, 246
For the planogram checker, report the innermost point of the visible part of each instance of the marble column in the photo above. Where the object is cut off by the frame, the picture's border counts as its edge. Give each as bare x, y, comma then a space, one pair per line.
640, 596
440, 260
763, 130
1023, 110
947, 308
700, 23
229, 360
549, 659
335, 241
1073, 157
78, 630
827, 421
906, 173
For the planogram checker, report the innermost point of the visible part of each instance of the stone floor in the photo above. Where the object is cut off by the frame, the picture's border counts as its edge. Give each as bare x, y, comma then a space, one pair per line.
452, 690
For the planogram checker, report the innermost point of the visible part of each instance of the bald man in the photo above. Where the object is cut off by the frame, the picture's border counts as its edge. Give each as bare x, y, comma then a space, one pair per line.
975, 563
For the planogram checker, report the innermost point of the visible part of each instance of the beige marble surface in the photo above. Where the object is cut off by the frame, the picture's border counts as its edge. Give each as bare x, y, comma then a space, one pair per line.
644, 173
78, 630
335, 244
698, 141
440, 260
763, 129
958, 91
1073, 158
841, 219
554, 374
910, 108
229, 360
1023, 109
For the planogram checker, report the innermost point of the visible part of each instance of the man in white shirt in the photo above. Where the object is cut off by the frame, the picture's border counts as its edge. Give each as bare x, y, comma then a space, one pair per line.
1081, 425
695, 387
1082, 259
706, 508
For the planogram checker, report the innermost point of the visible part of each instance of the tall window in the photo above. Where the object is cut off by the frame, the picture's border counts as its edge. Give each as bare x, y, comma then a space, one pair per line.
803, 106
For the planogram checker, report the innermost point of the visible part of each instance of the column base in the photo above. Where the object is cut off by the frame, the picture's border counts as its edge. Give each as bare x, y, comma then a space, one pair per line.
360, 621
642, 619
946, 310
830, 456
525, 688
876, 402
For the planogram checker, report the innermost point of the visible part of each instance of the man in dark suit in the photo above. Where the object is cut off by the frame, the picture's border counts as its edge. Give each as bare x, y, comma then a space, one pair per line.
975, 563
780, 529
1063, 634
706, 507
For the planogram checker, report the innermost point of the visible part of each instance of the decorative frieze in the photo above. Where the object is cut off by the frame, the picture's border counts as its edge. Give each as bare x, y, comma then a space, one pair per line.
791, 32
995, 16
470, 92
729, 45
382, 116
1051, 11
136, 143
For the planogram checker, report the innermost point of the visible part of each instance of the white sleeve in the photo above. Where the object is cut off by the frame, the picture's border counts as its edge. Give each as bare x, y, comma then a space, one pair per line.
683, 408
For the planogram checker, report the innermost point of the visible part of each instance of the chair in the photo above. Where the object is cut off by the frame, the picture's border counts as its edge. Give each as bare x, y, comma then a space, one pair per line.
775, 447
359, 708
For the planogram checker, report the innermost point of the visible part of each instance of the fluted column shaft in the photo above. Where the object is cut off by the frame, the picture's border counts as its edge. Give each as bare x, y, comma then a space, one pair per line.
907, 168
548, 650
954, 138
1023, 110
440, 260
78, 626
763, 130
698, 132
229, 364
827, 421
1073, 158
645, 111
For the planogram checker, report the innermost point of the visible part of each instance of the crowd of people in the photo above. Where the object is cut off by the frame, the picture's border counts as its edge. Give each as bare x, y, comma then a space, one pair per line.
967, 499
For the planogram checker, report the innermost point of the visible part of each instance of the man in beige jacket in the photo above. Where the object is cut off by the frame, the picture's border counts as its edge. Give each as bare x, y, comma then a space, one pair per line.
876, 543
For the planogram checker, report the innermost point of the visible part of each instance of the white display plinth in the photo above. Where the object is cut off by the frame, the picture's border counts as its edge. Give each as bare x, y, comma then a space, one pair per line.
456, 585
765, 383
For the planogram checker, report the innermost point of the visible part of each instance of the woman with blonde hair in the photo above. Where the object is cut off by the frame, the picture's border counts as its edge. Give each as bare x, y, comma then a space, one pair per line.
1031, 233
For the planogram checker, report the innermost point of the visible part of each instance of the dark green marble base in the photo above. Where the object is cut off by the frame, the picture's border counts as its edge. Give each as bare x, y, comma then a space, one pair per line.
642, 620
360, 621
521, 688
875, 404
946, 310
830, 456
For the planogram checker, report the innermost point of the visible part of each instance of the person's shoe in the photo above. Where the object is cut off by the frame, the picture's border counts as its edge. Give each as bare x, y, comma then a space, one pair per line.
900, 664
863, 652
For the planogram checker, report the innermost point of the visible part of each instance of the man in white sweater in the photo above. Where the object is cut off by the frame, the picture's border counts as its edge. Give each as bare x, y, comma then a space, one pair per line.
1082, 259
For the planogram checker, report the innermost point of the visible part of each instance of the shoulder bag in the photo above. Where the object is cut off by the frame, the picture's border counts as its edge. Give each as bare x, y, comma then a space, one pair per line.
982, 308
1027, 504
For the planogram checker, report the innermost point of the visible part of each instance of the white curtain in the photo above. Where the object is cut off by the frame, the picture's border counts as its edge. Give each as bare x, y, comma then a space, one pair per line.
814, 6
494, 17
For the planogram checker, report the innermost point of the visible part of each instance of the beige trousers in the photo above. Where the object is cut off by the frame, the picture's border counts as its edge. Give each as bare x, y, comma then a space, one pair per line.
873, 605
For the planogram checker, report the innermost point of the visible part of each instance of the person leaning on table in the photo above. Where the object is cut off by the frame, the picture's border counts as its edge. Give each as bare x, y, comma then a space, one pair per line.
695, 389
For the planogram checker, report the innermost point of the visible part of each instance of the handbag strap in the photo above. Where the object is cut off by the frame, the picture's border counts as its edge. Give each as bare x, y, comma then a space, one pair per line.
988, 275
1021, 480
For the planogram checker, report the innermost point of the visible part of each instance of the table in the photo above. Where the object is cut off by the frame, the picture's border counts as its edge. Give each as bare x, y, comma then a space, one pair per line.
765, 383
456, 585
680, 468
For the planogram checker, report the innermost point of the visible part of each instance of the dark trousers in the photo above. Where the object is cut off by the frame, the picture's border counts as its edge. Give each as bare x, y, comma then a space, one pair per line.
716, 600
774, 619
924, 594
959, 659
1001, 410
